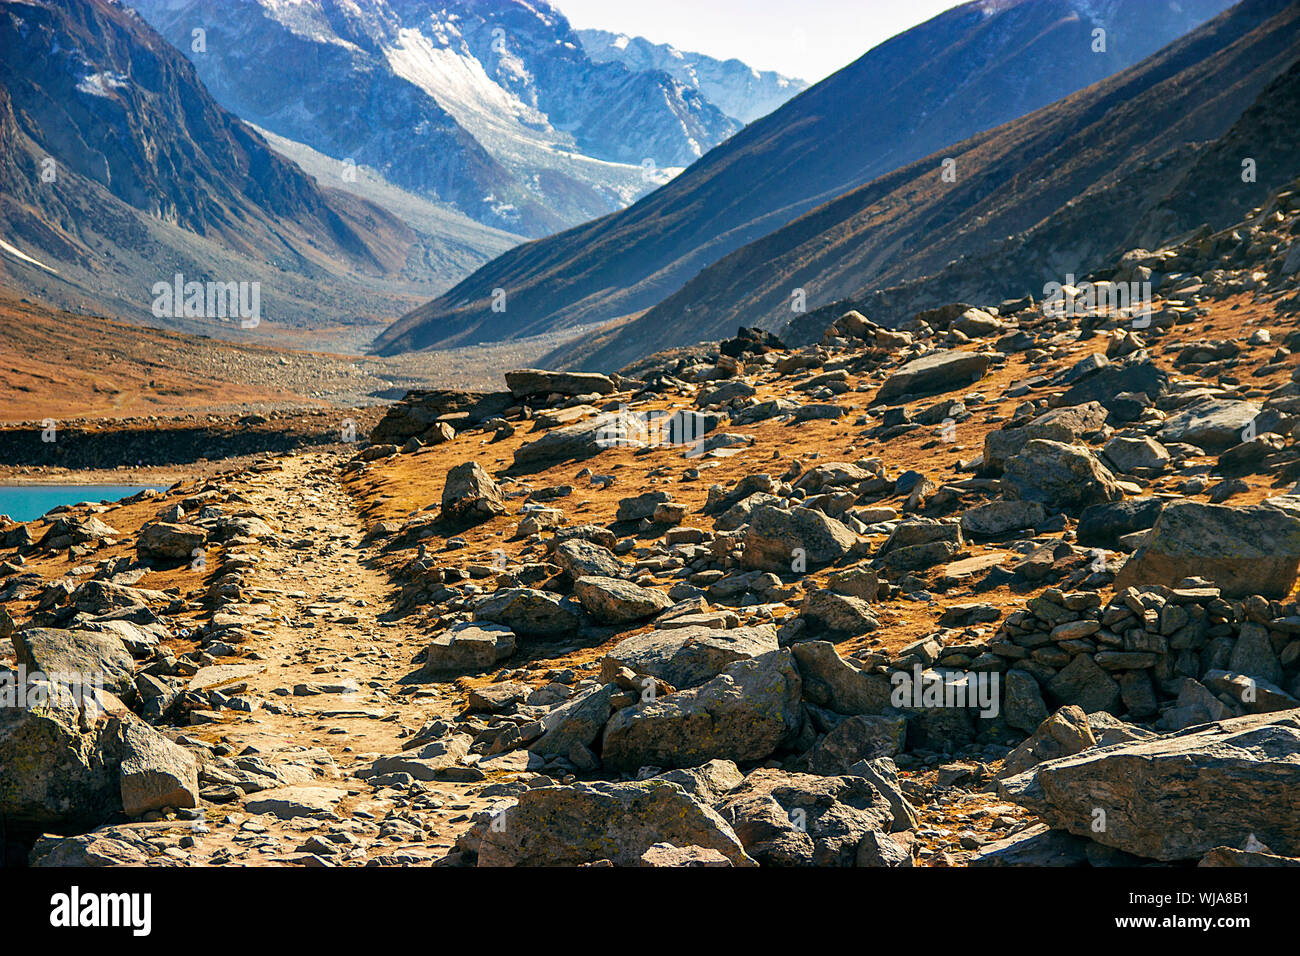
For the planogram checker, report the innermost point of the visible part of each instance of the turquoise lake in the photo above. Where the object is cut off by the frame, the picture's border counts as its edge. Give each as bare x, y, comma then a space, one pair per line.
26, 502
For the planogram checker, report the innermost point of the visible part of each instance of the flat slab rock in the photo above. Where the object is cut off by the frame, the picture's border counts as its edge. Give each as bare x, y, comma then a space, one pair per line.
689, 656
1181, 795
618, 822
938, 371
289, 802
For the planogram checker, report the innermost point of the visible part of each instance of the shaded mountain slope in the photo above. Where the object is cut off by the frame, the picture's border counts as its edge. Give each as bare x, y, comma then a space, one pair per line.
964, 71
1088, 169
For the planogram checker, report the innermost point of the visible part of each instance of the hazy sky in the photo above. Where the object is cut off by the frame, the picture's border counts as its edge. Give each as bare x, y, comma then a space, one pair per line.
810, 39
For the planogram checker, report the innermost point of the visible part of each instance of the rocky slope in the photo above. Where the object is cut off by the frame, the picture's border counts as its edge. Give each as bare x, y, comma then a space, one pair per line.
492, 107
929, 596
968, 70
739, 90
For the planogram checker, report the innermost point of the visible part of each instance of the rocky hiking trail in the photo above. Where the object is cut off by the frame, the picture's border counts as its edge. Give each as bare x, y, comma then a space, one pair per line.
322, 682
332, 669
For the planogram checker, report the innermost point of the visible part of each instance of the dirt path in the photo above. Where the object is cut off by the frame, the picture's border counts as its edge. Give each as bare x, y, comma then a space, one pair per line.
329, 699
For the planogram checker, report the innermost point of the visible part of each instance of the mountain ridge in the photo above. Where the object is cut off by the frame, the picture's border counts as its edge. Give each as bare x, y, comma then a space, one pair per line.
768, 175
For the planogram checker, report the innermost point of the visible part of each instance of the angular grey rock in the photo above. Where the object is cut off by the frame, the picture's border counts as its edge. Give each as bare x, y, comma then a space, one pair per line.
469, 647
1253, 654
1103, 525
841, 614
1034, 846
1249, 550
1178, 796
688, 656
1022, 703
709, 782
470, 494
289, 803
615, 601
53, 773
745, 713
78, 659
878, 849
578, 720
1061, 476
832, 682
155, 773
941, 371
580, 558
1084, 683
776, 538
795, 819
531, 613
1127, 455
1064, 733
529, 382
665, 854
882, 772
862, 737
164, 541
1212, 424
618, 822
1066, 425
641, 506
996, 518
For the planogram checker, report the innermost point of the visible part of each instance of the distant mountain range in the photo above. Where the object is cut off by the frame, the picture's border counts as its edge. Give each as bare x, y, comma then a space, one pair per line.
118, 171
958, 75
491, 106
737, 89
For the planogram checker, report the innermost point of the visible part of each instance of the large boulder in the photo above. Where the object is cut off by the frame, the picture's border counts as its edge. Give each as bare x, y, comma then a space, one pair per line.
1066, 424
1213, 424
1110, 383
840, 614
689, 656
778, 538
940, 371
468, 648
531, 613
615, 601
67, 530
1248, 550
52, 769
796, 819
1084, 683
421, 412
1178, 796
530, 382
165, 541
745, 713
617, 429
470, 494
69, 763
996, 518
77, 658
1101, 526
588, 823
1061, 476
581, 558
155, 773
576, 722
